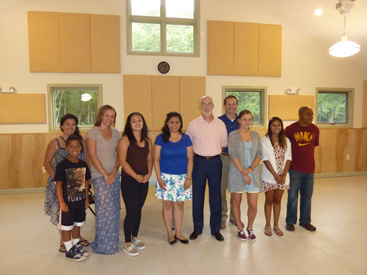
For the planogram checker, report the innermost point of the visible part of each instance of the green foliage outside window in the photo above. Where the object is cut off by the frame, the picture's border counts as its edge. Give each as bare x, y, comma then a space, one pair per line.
332, 108
69, 102
180, 38
146, 37
248, 101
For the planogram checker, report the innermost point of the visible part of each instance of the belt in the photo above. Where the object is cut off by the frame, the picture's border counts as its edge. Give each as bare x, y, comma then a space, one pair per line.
224, 154
207, 158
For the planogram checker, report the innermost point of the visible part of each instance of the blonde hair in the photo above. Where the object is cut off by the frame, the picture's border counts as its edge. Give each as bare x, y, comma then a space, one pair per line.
100, 113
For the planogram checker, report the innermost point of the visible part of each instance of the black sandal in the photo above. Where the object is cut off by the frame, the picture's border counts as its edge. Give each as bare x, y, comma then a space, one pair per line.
62, 248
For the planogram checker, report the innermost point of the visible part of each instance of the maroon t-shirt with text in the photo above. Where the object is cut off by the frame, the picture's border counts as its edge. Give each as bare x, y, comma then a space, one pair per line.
303, 141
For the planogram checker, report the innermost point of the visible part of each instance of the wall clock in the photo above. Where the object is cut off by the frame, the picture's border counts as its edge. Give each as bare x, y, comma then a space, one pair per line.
163, 67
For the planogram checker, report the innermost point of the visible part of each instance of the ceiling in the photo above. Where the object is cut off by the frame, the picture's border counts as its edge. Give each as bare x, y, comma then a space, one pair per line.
327, 28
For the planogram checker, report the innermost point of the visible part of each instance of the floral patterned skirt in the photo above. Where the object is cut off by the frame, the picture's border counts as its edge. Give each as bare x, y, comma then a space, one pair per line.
279, 158
174, 188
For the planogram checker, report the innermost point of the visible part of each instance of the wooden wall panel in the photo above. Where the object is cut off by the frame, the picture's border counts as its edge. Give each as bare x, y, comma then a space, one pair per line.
192, 88
22, 155
270, 50
364, 105
165, 98
44, 41
22, 108
75, 43
286, 106
220, 48
138, 96
105, 43
245, 48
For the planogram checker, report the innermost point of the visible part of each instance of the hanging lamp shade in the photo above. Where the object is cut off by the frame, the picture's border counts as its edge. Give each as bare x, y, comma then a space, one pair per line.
344, 48
86, 97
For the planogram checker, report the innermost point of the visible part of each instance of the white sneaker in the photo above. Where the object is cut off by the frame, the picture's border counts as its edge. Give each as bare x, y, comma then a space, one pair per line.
131, 250
137, 244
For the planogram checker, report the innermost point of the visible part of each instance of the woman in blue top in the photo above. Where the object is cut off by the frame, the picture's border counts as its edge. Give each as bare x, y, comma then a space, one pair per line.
173, 163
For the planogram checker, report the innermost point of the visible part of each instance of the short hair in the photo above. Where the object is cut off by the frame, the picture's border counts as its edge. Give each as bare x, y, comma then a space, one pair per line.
71, 116
100, 113
229, 96
165, 130
128, 131
300, 111
206, 96
73, 137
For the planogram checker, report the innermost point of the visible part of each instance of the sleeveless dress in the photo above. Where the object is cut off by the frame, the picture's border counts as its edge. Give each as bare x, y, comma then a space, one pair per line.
52, 204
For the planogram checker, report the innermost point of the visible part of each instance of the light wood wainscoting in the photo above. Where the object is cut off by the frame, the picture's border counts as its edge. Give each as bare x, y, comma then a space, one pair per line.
22, 155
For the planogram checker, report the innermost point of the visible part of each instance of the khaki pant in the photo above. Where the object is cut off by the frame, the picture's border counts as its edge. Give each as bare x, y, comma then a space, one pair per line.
226, 161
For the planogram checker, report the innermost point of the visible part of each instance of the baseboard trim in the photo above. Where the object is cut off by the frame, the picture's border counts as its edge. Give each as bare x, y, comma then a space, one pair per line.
22, 191
337, 175
43, 189
35, 190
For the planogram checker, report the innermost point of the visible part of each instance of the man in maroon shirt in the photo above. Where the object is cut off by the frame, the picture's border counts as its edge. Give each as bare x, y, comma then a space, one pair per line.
304, 136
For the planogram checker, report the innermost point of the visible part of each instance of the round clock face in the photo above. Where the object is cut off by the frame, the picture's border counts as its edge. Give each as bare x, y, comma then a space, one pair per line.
163, 67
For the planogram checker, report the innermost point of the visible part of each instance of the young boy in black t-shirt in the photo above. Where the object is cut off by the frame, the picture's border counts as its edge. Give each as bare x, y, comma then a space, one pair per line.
72, 176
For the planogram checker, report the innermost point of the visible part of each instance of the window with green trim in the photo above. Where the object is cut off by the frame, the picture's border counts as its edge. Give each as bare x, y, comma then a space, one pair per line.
334, 107
163, 27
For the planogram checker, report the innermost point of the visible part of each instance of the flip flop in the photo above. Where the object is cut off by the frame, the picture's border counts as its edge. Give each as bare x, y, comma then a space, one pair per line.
62, 248
267, 231
83, 242
277, 231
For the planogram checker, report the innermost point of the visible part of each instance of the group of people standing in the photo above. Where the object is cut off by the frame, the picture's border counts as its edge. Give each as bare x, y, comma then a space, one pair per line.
221, 151
288, 164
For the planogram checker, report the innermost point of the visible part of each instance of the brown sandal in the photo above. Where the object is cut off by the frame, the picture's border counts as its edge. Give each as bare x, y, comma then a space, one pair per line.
277, 230
267, 231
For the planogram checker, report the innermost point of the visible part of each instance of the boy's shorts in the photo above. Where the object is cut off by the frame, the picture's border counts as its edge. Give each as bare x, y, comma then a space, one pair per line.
75, 217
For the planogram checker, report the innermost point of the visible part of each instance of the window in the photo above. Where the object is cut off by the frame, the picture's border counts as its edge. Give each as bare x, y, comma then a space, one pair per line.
250, 98
163, 27
334, 107
82, 101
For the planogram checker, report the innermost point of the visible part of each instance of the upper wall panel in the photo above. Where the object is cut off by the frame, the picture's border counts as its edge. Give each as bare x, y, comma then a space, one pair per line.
74, 42
249, 49
44, 41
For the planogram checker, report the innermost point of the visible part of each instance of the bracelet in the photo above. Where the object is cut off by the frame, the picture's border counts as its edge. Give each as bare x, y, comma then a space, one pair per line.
188, 179
117, 168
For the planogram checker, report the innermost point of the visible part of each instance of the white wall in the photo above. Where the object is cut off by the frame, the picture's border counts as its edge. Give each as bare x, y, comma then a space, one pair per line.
306, 63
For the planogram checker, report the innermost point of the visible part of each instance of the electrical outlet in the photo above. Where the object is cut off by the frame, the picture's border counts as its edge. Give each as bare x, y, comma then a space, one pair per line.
348, 157
44, 169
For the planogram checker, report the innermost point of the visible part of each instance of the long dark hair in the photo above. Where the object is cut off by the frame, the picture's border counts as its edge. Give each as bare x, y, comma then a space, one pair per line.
128, 131
100, 113
166, 134
71, 116
282, 141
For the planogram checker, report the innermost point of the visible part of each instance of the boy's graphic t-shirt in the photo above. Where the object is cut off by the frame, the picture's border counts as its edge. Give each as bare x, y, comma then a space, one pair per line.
303, 141
73, 176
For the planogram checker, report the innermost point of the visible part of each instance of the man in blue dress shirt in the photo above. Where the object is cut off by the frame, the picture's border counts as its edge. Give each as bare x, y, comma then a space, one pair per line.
230, 120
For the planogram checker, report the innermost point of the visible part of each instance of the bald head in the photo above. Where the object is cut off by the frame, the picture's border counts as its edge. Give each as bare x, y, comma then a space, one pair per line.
305, 115
302, 109
206, 97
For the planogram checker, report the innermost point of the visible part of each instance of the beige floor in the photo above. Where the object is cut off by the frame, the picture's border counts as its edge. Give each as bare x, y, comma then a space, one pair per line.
29, 242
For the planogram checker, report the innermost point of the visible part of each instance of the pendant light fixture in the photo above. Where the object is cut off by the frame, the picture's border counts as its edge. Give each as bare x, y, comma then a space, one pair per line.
344, 48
